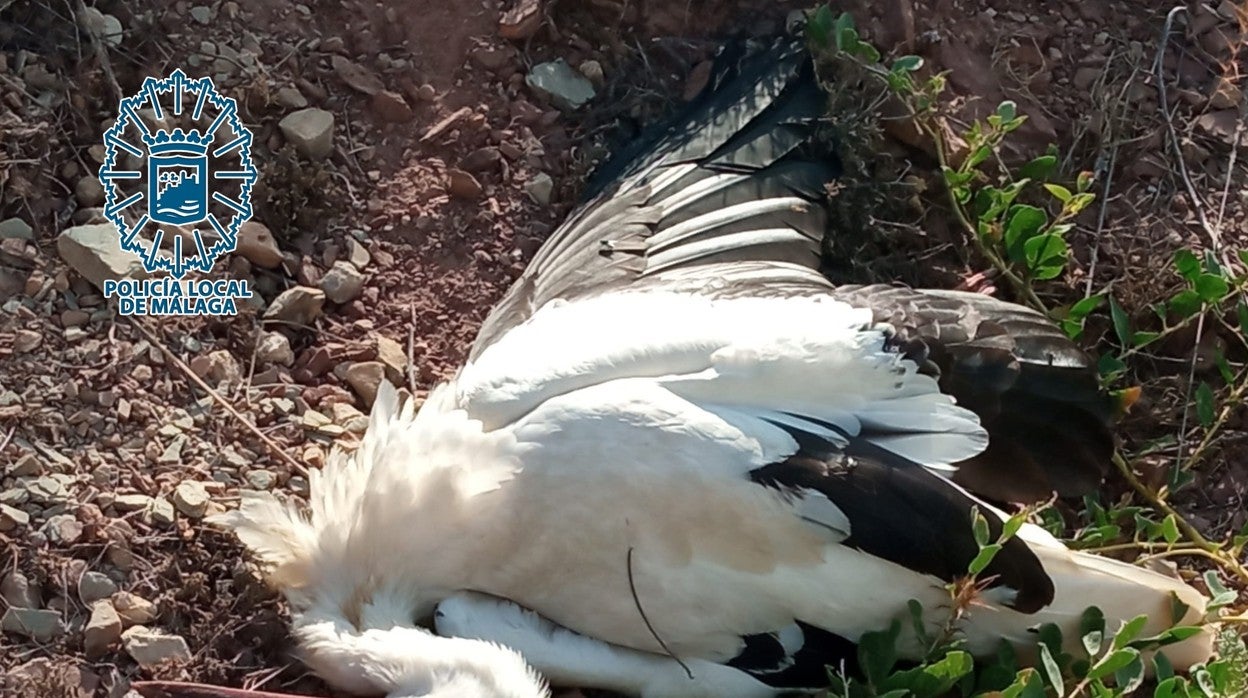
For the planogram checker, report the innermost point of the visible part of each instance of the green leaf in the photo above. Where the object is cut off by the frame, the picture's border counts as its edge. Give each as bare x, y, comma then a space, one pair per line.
1027, 684
1046, 256
1129, 631
1130, 677
979, 527
1204, 404
1221, 596
1185, 304
1059, 192
1122, 323
1110, 366
1012, 525
1084, 181
840, 28
866, 51
1079, 202
1092, 630
1007, 110
819, 26
1210, 287
1023, 223
907, 64
978, 157
1187, 264
1052, 671
1142, 339
1164, 668
1170, 529
1039, 169
984, 558
877, 653
1113, 662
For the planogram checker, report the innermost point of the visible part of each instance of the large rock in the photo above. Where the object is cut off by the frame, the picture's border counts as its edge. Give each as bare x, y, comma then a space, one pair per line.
38, 624
311, 131
94, 251
102, 631
342, 283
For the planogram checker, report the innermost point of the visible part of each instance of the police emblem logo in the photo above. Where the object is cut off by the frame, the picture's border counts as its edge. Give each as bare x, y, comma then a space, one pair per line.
178, 176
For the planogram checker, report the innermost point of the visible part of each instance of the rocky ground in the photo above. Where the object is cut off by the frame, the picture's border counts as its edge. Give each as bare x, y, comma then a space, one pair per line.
413, 156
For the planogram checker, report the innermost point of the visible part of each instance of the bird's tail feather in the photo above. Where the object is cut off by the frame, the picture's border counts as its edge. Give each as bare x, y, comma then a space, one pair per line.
1120, 590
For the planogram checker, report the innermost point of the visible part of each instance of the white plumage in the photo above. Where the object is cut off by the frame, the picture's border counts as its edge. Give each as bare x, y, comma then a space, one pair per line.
675, 435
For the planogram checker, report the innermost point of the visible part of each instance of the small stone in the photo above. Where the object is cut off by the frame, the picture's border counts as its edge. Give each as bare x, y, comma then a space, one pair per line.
426, 93
260, 479
291, 98
173, 452
201, 14
357, 254
357, 76
28, 465
299, 305
26, 340
93, 586
191, 498
1086, 77
16, 228
62, 529
94, 251
131, 502
391, 106
257, 245
462, 185
592, 70
12, 517
364, 377
75, 318
162, 512
342, 283
37, 624
540, 188
218, 367
1225, 94
274, 348
106, 28
392, 356
103, 630
311, 130
481, 159
151, 648
558, 82
89, 192
17, 590
133, 610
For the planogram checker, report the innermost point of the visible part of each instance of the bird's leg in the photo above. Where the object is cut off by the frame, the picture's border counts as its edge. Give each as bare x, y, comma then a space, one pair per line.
979, 282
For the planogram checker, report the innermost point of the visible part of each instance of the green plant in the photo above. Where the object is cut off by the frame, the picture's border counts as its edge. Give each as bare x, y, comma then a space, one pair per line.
1017, 219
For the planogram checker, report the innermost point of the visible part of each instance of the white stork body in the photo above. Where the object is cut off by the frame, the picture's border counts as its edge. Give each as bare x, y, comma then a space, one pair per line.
676, 435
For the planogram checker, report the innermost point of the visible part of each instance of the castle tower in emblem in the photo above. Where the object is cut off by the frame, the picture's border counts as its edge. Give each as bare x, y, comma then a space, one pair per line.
177, 177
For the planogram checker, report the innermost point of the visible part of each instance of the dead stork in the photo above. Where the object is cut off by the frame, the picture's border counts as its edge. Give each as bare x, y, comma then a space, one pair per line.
681, 462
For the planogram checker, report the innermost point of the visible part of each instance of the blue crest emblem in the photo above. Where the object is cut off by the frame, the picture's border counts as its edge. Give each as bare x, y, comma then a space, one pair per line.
178, 174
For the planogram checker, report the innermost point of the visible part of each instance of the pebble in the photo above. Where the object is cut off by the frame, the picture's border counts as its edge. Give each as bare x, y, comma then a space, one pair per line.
291, 98
63, 529
299, 305
390, 353
191, 498
481, 159
93, 586
364, 377
342, 283
201, 14
391, 106
257, 245
26, 340
93, 252
17, 590
540, 188
592, 70
133, 609
162, 513
274, 348
260, 479
15, 228
107, 27
12, 517
151, 648
462, 185
38, 624
558, 82
311, 131
89, 191
357, 254
102, 631
131, 502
